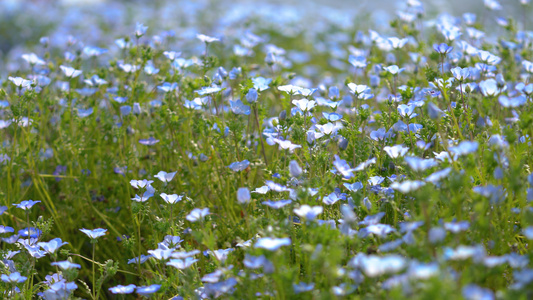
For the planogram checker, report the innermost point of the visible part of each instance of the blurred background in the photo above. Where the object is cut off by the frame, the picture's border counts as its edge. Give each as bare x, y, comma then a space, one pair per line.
99, 22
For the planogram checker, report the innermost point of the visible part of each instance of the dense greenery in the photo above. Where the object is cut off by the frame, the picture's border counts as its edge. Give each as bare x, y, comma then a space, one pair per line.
276, 157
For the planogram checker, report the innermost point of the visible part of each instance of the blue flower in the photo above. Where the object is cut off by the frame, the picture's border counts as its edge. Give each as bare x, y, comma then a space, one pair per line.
171, 199
272, 244
13, 278
148, 290
52, 246
277, 204
251, 96
243, 195
239, 108
307, 212
27, 204
123, 289
197, 214
140, 30
239, 166
164, 176
208, 90
207, 39
261, 83
148, 142
6, 229
66, 265
70, 72
442, 48
95, 233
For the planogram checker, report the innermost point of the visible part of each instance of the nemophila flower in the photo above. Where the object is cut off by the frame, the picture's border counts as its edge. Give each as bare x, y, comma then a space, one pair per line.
172, 55
462, 252
148, 193
365, 164
488, 58
474, 292
261, 83
492, 4
239, 166
140, 30
419, 164
261, 190
149, 142
442, 48
286, 145
139, 260
197, 214
358, 89
70, 72
332, 117
407, 186
52, 246
252, 95
93, 51
128, 68
277, 204
295, 169
464, 148
353, 187
304, 104
397, 43
182, 264
33, 59
489, 88
243, 195
380, 230
171, 199
161, 254
13, 278
307, 212
140, 184
394, 69
6, 229
123, 289
358, 61
164, 176
168, 87
148, 290
94, 233
207, 39
396, 151
374, 266
343, 167
272, 244
83, 113
456, 227
20, 82
27, 204
289, 88
66, 265
239, 108
375, 180
460, 74
528, 66
208, 90
438, 176
407, 111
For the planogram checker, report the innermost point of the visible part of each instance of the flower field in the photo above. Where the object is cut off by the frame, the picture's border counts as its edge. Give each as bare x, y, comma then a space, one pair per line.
242, 150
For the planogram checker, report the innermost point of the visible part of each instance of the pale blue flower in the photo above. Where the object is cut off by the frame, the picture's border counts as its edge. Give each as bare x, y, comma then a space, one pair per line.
197, 214
66, 265
95, 233
272, 244
121, 289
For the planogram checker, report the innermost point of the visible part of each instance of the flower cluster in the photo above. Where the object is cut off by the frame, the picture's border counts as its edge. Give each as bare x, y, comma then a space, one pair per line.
236, 151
